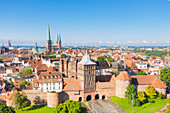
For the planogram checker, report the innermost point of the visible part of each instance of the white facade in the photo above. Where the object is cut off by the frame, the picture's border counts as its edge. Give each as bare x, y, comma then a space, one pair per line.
55, 86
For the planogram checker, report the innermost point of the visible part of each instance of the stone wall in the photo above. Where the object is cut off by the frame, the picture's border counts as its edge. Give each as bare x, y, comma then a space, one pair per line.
54, 99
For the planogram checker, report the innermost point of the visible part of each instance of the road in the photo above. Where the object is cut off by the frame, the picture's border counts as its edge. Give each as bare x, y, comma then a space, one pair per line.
101, 106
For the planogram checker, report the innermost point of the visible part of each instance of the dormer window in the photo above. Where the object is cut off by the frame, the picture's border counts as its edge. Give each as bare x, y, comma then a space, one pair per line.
51, 76
43, 76
58, 76
55, 76
47, 76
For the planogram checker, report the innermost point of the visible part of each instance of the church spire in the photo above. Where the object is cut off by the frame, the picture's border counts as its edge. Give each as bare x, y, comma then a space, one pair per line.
9, 43
48, 36
59, 38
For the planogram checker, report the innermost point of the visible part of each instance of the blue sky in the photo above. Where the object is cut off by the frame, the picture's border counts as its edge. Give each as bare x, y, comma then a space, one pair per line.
89, 21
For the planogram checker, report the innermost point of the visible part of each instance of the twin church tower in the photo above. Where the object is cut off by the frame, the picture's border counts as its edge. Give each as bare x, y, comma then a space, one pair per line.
53, 46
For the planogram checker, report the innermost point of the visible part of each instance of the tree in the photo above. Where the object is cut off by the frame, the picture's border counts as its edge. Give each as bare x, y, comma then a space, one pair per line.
141, 96
131, 92
141, 73
37, 100
70, 106
1, 60
63, 56
28, 71
150, 91
10, 81
52, 52
54, 56
100, 58
47, 53
165, 75
5, 109
110, 59
20, 100
24, 83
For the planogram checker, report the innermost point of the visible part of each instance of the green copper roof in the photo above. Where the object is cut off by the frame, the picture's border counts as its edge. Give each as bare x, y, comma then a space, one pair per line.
59, 37
48, 36
9, 42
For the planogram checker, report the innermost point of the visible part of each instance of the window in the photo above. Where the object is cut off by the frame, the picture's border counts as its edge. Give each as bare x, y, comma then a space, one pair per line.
41, 80
46, 80
59, 79
120, 93
53, 80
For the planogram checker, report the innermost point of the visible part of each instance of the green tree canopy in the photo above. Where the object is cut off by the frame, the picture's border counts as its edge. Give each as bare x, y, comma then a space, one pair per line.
28, 71
54, 56
110, 59
131, 92
165, 75
52, 52
63, 56
5, 109
150, 91
70, 106
10, 81
20, 100
141, 73
1, 60
47, 53
100, 58
24, 83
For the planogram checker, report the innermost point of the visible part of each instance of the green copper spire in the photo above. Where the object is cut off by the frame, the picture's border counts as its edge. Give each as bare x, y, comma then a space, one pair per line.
59, 37
9, 42
48, 36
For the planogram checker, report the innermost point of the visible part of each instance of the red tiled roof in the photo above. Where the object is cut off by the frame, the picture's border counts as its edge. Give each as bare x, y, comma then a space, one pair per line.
72, 84
123, 76
158, 84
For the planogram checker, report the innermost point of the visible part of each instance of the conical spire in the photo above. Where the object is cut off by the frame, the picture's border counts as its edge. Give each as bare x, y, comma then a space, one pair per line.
9, 42
59, 37
35, 44
48, 36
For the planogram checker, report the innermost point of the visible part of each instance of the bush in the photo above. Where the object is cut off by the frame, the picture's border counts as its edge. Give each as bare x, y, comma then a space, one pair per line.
160, 96
100, 58
6, 109
141, 73
24, 83
28, 71
52, 92
63, 56
136, 102
70, 106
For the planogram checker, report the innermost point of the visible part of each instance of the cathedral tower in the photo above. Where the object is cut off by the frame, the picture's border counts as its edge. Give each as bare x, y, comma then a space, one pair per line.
58, 42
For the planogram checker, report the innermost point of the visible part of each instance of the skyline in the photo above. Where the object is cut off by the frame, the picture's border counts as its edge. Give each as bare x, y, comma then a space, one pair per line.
86, 22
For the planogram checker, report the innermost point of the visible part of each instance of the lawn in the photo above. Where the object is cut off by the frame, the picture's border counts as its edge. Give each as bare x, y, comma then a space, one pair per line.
36, 109
146, 108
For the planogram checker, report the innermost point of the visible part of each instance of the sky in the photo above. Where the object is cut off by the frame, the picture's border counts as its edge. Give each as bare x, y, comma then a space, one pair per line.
86, 22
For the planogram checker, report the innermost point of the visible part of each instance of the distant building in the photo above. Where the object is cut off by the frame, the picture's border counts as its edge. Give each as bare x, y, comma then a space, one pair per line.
49, 45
